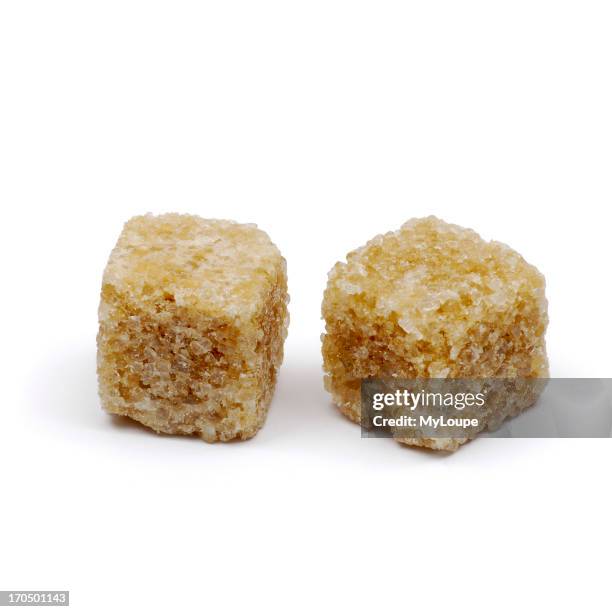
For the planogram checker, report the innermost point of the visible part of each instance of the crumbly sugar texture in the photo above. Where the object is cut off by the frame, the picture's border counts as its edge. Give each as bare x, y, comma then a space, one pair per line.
193, 317
433, 300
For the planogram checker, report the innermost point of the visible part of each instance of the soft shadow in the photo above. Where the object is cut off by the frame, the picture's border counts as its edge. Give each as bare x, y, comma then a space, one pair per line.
63, 390
301, 408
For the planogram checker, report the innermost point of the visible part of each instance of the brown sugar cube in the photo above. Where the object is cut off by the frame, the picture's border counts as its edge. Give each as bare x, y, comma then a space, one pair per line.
193, 317
433, 300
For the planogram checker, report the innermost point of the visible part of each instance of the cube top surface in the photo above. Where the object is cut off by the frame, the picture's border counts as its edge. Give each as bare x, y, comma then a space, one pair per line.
219, 266
432, 275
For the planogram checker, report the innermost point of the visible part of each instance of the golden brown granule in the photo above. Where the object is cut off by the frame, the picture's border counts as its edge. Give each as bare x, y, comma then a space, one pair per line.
193, 317
432, 300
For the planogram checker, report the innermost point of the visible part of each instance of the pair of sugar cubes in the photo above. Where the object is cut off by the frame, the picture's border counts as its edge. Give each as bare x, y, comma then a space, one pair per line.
193, 317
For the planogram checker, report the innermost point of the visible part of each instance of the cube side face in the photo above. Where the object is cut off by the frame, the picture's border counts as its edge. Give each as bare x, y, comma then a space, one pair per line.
424, 320
268, 331
177, 362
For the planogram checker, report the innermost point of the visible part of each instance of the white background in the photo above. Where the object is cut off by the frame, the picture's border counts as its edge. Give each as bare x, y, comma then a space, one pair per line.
325, 123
